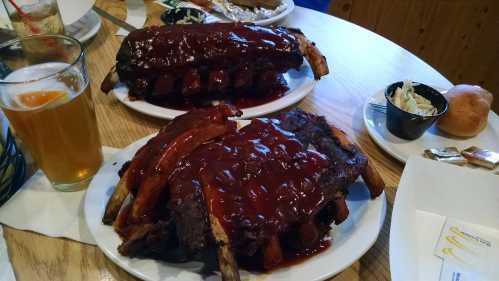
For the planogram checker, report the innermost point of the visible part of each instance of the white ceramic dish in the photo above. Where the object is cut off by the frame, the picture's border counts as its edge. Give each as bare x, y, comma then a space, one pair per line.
215, 17
300, 83
351, 239
72, 11
4, 18
401, 149
428, 193
278, 17
85, 28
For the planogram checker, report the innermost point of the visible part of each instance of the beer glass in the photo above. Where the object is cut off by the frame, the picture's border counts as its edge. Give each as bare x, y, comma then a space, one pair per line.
46, 97
29, 17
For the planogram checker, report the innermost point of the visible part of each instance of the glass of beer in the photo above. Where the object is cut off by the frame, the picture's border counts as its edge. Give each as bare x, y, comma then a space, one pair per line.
29, 17
46, 97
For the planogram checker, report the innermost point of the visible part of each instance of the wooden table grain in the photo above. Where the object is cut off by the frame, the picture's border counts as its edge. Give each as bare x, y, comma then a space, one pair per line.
361, 63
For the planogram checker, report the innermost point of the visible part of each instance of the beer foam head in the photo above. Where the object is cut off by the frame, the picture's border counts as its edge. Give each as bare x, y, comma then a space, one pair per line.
68, 81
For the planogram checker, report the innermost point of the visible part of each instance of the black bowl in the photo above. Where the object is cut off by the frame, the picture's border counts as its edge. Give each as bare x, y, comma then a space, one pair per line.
183, 15
407, 125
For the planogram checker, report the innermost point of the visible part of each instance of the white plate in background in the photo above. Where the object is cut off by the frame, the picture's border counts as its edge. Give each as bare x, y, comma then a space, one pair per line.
300, 83
350, 240
401, 149
71, 10
74, 10
428, 193
4, 18
278, 17
218, 17
85, 28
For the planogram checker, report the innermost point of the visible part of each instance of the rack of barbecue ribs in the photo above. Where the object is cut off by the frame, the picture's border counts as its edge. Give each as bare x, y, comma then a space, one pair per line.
202, 60
261, 193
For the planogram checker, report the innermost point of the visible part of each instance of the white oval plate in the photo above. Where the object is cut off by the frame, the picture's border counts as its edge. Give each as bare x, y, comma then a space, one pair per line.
72, 11
300, 83
85, 28
401, 149
218, 17
278, 17
351, 239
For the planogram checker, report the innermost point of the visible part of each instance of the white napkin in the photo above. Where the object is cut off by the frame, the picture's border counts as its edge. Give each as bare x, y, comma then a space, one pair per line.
38, 207
6, 272
136, 15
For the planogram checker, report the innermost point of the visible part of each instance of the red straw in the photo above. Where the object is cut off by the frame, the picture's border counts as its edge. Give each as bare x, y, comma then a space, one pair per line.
25, 17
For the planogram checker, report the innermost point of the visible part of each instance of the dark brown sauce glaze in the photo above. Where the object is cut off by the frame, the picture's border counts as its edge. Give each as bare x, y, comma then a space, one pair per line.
296, 257
142, 160
290, 257
258, 179
174, 48
240, 98
186, 61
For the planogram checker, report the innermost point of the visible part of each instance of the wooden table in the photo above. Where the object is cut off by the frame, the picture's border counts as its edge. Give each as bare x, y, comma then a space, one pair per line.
361, 63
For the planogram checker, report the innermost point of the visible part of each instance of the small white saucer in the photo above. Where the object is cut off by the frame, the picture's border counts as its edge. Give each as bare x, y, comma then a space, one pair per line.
85, 28
401, 149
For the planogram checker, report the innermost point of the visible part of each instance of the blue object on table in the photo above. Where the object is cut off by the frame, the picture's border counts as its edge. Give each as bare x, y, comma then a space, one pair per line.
318, 5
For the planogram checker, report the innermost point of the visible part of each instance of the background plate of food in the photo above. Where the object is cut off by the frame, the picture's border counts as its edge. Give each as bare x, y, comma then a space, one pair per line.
166, 70
484, 130
262, 12
300, 84
355, 233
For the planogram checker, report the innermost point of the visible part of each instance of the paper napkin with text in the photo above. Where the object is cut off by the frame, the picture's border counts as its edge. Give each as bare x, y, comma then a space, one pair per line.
470, 252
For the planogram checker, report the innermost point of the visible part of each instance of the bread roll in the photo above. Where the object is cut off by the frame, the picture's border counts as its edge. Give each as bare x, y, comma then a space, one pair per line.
468, 111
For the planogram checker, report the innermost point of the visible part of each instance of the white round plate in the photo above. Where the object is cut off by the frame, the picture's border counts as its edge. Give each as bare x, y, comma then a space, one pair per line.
350, 240
278, 17
85, 28
300, 83
290, 7
401, 149
4, 18
72, 11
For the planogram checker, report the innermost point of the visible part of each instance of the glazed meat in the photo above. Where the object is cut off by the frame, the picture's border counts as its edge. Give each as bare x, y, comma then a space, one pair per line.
206, 60
260, 193
156, 159
261, 182
347, 159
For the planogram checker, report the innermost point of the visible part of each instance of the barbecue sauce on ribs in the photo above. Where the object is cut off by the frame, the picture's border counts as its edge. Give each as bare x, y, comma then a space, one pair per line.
290, 257
263, 188
260, 180
240, 98
190, 65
